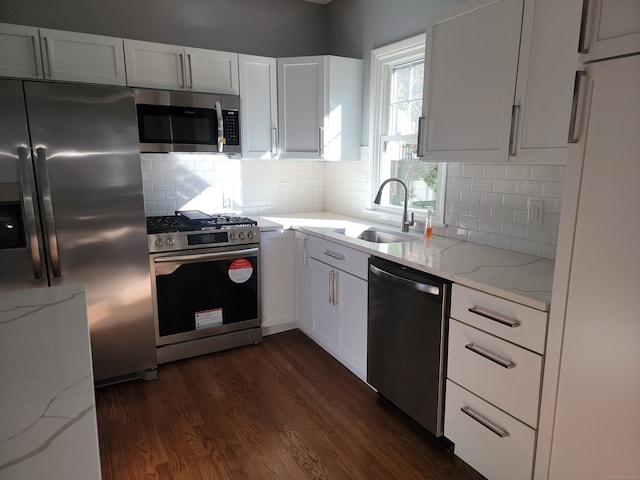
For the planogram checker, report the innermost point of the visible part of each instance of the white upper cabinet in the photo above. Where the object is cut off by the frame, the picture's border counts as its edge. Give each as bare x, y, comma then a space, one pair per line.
546, 72
609, 28
259, 106
320, 107
498, 81
28, 52
172, 67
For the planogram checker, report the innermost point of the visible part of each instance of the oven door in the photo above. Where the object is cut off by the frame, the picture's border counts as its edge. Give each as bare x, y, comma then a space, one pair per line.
205, 292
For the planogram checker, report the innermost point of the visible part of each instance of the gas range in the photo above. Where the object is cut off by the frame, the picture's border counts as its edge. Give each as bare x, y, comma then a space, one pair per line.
191, 229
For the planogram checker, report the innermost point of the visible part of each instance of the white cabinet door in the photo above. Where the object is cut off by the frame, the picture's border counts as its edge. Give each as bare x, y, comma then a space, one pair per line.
79, 57
259, 106
352, 303
19, 51
611, 28
277, 280
29, 52
546, 68
301, 106
302, 283
154, 65
320, 107
597, 416
324, 314
211, 71
470, 76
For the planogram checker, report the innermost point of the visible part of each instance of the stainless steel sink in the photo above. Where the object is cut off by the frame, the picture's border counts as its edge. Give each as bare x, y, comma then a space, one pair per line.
375, 235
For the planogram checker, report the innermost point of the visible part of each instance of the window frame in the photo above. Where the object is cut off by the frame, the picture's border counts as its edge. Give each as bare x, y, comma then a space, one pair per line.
383, 60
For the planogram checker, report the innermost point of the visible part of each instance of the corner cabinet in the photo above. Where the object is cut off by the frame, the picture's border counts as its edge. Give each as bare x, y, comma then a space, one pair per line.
320, 107
172, 67
338, 295
498, 82
259, 106
29, 52
495, 359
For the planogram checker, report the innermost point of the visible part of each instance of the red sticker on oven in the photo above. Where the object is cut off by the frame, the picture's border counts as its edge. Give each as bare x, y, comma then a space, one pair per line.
240, 270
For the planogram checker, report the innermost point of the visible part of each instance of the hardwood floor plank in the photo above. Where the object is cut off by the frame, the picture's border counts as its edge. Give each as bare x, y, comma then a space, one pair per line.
283, 409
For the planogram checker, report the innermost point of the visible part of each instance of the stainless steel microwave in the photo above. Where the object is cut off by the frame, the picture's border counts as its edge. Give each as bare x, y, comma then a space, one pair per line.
188, 122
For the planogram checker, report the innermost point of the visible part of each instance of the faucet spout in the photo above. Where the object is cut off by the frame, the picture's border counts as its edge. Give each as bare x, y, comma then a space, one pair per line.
406, 222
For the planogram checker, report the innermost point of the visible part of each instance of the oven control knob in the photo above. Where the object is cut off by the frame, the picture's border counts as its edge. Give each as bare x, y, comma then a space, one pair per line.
159, 242
232, 236
170, 241
250, 234
241, 235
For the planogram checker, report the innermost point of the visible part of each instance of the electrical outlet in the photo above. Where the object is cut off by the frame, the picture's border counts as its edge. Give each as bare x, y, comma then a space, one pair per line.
535, 212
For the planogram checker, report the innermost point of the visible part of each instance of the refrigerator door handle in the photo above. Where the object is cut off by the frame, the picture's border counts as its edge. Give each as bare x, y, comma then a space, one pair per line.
29, 210
47, 208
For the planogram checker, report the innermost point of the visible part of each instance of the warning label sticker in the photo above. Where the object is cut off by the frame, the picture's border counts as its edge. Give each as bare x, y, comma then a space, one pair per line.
208, 318
240, 270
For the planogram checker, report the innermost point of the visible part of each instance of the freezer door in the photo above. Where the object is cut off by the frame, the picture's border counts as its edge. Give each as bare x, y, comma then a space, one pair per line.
21, 253
87, 167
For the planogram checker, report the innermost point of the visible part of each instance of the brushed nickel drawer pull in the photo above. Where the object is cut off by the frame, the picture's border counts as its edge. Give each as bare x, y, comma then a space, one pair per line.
489, 355
495, 316
485, 422
336, 255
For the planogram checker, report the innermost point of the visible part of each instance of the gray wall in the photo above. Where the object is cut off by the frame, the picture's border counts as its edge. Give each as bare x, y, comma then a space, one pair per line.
275, 28
358, 26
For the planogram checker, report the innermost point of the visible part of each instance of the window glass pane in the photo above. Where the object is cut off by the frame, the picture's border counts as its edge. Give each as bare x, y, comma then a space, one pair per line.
405, 102
399, 160
417, 80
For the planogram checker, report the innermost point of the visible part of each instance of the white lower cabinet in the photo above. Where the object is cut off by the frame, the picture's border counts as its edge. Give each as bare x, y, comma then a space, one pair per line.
338, 293
494, 374
277, 278
494, 443
302, 283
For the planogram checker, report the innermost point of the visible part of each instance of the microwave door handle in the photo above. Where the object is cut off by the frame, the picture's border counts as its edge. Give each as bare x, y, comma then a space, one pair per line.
220, 127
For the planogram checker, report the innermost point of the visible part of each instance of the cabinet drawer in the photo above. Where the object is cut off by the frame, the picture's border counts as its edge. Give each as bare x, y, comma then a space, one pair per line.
502, 373
345, 258
496, 315
508, 457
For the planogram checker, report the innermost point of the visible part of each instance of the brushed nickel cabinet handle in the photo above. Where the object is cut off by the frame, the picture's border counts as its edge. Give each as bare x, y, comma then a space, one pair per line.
47, 57
574, 106
421, 142
305, 253
583, 27
489, 355
485, 422
182, 76
331, 274
515, 108
336, 276
336, 255
495, 316
190, 68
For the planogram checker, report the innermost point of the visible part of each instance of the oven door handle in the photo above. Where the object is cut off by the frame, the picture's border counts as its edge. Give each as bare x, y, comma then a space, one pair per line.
199, 257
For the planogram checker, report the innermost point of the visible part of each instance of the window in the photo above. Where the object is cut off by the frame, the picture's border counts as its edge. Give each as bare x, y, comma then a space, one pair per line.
396, 105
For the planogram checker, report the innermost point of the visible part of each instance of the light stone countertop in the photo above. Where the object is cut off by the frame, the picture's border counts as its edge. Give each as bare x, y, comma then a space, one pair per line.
518, 277
48, 424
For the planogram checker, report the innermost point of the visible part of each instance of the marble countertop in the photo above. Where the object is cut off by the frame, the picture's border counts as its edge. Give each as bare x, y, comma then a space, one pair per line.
48, 426
521, 278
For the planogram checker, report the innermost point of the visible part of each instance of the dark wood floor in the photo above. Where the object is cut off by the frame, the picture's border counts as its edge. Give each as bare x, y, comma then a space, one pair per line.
284, 409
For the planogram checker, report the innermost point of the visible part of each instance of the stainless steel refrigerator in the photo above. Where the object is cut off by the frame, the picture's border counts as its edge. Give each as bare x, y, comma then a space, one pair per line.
72, 211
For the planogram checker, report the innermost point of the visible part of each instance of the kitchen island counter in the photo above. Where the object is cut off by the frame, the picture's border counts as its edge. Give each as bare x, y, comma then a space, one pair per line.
47, 407
514, 276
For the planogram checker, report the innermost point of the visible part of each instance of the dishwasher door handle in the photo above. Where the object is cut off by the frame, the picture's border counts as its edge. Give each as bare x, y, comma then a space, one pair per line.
421, 287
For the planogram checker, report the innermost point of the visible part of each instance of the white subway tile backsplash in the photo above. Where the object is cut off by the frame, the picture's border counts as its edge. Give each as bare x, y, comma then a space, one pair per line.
485, 204
481, 185
502, 210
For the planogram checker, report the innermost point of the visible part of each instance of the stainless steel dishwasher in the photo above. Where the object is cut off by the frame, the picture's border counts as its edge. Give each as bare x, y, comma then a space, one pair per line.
406, 340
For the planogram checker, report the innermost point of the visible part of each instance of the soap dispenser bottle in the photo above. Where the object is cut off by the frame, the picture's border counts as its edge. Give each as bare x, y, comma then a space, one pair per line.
428, 228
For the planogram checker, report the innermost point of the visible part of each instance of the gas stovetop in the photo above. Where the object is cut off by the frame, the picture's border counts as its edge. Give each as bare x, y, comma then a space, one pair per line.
194, 220
192, 229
